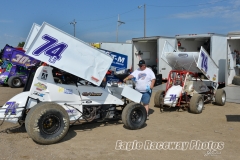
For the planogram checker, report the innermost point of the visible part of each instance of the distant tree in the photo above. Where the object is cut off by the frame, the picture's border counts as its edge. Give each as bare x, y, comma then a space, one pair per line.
21, 44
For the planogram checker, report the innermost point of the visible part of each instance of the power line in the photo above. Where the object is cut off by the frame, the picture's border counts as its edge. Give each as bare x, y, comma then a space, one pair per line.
111, 16
149, 19
200, 4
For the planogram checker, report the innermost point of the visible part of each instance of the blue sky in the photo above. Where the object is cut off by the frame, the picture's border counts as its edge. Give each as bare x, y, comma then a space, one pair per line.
97, 19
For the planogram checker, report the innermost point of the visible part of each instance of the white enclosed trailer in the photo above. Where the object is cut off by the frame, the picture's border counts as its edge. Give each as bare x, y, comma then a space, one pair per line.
214, 44
233, 55
150, 50
122, 48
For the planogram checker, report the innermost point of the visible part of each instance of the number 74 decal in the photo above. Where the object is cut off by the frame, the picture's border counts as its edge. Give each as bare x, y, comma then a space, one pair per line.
51, 48
173, 97
11, 108
204, 64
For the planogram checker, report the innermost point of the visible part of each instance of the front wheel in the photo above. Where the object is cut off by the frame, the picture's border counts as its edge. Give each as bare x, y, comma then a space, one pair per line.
134, 116
196, 104
47, 123
220, 97
159, 98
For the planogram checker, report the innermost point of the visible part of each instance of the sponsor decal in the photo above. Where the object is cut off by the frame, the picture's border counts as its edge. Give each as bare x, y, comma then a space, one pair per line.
71, 111
51, 48
95, 79
182, 55
66, 91
38, 94
40, 86
214, 77
44, 76
91, 94
11, 108
60, 89
88, 101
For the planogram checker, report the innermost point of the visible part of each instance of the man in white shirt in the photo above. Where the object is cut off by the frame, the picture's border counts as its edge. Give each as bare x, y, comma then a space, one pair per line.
145, 79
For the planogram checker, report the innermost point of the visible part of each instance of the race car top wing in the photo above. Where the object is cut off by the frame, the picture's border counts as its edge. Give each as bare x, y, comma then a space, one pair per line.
63, 51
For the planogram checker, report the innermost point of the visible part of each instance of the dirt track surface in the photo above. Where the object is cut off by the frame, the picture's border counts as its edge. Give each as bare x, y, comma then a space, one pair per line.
98, 140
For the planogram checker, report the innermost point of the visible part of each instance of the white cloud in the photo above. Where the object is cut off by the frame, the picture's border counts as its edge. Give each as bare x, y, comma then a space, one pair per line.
230, 12
8, 36
108, 36
6, 21
235, 3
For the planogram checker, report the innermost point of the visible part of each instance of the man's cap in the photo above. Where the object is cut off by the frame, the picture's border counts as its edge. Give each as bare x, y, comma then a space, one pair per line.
141, 62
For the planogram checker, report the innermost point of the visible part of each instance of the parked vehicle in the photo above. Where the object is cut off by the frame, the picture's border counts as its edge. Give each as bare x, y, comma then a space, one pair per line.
49, 107
186, 86
17, 65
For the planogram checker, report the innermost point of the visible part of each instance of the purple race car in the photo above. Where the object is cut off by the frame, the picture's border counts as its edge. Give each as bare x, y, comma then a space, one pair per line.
17, 65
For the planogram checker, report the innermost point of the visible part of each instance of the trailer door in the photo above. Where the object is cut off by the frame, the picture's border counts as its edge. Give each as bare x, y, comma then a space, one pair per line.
219, 55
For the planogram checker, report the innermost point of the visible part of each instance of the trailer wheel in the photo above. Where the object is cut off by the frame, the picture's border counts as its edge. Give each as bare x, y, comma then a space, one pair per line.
196, 104
47, 123
134, 116
158, 98
14, 82
220, 97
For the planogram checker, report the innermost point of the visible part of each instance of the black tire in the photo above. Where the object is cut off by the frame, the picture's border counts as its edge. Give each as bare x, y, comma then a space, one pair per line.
220, 97
159, 98
15, 82
196, 104
134, 115
236, 80
47, 123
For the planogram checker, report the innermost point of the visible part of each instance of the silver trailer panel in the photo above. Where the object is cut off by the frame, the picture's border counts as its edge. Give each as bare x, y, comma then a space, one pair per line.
150, 50
214, 44
233, 56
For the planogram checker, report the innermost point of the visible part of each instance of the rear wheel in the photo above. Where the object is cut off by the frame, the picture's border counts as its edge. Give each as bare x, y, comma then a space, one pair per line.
158, 98
196, 104
220, 97
15, 82
47, 123
134, 116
